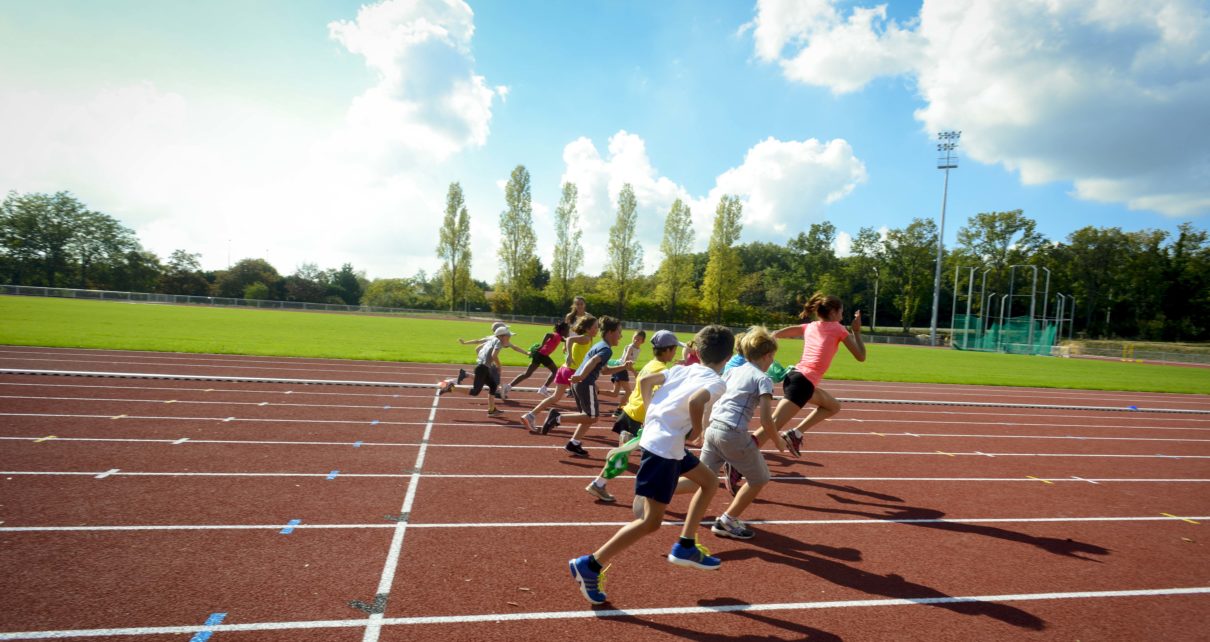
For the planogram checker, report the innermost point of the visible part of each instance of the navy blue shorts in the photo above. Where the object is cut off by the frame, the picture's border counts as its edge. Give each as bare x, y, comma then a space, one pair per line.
657, 476
620, 376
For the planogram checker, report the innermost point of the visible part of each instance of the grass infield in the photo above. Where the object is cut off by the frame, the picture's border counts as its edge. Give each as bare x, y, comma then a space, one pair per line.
69, 323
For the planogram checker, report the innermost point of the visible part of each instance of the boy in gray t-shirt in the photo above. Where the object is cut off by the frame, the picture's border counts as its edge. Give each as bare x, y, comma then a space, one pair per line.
727, 444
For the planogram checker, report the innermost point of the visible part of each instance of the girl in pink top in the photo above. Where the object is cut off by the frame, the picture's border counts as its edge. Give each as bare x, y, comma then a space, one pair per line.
820, 341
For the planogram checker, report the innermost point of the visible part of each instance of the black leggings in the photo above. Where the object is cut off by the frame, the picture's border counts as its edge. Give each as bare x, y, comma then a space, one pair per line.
537, 360
485, 375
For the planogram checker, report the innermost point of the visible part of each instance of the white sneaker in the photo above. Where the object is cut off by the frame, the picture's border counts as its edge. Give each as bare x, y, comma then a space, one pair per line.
544, 391
504, 390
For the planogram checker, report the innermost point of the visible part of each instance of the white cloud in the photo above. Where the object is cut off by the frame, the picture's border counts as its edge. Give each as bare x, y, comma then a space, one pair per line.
785, 186
215, 174
1098, 93
843, 244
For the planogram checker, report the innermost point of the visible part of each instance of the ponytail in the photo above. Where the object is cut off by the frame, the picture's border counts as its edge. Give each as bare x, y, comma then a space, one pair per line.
820, 305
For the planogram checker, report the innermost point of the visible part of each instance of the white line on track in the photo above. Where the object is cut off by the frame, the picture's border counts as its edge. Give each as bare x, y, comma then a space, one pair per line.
544, 447
374, 629
456, 525
776, 478
606, 613
379, 407
498, 425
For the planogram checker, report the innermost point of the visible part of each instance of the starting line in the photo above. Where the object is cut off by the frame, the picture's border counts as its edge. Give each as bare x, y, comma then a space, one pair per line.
602, 613
431, 386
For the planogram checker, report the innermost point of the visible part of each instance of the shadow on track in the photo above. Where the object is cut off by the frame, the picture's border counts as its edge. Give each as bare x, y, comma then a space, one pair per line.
799, 631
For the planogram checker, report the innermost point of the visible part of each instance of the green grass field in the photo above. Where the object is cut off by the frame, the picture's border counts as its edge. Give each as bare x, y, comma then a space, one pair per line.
139, 326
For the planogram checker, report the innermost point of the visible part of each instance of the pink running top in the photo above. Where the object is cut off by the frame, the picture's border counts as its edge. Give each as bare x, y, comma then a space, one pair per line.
553, 342
820, 341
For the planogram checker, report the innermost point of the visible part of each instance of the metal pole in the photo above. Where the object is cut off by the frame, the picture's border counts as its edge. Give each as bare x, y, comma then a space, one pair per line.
946, 161
1059, 315
954, 304
1000, 334
1033, 293
1072, 325
970, 292
1046, 298
874, 321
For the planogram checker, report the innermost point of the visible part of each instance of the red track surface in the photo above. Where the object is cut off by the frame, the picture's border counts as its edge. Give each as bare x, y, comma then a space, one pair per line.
159, 502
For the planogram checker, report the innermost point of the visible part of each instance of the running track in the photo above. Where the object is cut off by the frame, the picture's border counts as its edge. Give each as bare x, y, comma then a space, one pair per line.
204, 505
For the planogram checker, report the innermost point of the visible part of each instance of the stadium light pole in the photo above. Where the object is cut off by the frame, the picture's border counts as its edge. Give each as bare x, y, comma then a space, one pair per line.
947, 159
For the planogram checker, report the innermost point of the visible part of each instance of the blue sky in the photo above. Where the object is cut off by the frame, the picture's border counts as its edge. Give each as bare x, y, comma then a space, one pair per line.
328, 131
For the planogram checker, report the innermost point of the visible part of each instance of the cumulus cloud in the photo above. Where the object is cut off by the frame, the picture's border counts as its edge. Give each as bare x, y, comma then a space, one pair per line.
784, 185
1101, 94
217, 175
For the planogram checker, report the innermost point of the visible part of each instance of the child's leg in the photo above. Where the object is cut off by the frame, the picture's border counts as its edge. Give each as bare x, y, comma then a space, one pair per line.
551, 400
533, 365
583, 423
743, 499
707, 484
653, 514
782, 415
825, 406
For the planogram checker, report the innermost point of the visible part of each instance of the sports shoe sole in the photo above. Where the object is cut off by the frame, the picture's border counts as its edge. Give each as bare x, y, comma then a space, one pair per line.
723, 532
691, 563
600, 493
575, 575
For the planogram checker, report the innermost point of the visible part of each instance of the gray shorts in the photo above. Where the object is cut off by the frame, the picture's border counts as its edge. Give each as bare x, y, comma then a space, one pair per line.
736, 447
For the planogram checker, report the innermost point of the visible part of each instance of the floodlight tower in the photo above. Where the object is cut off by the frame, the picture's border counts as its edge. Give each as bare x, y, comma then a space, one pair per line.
947, 159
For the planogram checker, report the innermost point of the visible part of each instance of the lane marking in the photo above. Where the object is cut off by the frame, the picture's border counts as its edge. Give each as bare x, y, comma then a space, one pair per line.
215, 619
357, 444
333, 474
1085, 480
229, 419
1044, 481
945, 453
530, 525
263, 403
171, 401
180, 441
46, 438
119, 417
605, 613
983, 453
107, 473
374, 628
1183, 519
374, 423
290, 526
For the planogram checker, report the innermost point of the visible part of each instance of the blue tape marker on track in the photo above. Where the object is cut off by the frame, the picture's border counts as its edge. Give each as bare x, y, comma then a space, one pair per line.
333, 474
374, 423
214, 620
386, 407
290, 526
357, 444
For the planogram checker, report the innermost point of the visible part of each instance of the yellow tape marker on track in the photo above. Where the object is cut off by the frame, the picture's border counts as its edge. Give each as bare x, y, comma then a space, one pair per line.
1180, 518
945, 453
46, 438
1044, 481
118, 417
171, 401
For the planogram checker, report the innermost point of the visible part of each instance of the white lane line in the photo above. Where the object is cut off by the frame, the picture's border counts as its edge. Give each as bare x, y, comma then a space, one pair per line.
108, 473
374, 629
606, 613
345, 444
211, 403
481, 525
496, 425
784, 479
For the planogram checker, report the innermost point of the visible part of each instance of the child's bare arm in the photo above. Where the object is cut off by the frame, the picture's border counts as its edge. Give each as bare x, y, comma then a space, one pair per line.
789, 332
699, 412
767, 426
587, 366
519, 349
473, 342
618, 368
647, 383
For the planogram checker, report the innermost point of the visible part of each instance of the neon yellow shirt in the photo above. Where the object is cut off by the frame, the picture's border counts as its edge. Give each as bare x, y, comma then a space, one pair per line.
635, 408
578, 350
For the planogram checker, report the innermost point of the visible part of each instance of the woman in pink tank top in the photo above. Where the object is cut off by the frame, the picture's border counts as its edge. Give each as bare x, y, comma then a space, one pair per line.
821, 340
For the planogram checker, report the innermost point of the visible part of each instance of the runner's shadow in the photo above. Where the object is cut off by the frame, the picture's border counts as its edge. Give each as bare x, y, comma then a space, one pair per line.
800, 631
783, 550
1065, 547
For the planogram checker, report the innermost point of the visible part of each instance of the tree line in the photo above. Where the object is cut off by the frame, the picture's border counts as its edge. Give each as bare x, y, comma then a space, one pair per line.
1145, 284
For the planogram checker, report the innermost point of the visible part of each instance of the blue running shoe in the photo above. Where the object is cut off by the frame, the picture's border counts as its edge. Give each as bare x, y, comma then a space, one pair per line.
591, 584
694, 557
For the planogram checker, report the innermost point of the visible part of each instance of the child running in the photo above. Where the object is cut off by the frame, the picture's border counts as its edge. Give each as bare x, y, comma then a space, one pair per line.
820, 341
677, 410
487, 369
583, 332
621, 380
630, 421
728, 444
539, 355
584, 386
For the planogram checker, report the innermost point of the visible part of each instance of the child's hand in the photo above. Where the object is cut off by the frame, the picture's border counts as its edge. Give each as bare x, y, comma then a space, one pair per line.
629, 365
576, 378
780, 442
857, 322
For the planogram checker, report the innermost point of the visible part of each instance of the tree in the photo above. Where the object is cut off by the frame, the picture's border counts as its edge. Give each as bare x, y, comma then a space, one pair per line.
909, 260
346, 284
676, 270
56, 241
232, 283
1093, 257
183, 275
308, 284
722, 282
454, 248
625, 258
569, 254
997, 240
98, 238
517, 241
814, 258
392, 293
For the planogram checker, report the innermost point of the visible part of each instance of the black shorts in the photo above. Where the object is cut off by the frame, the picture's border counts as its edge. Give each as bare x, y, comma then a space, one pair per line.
542, 360
625, 423
797, 388
620, 376
485, 376
585, 395
657, 477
